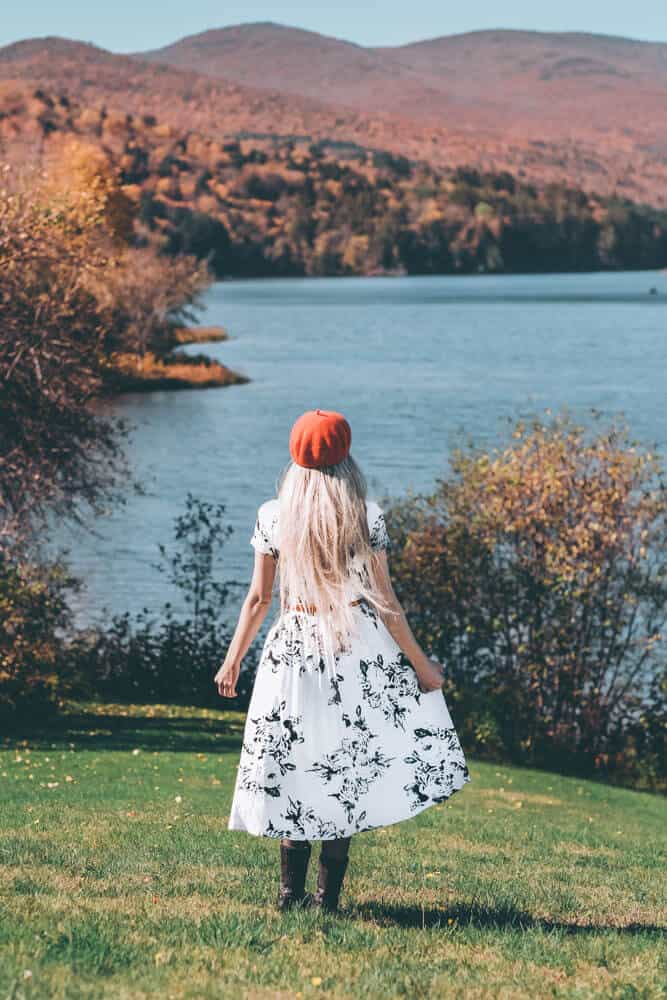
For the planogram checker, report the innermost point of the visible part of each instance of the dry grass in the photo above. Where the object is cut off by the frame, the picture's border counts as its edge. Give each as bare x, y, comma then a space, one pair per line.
132, 373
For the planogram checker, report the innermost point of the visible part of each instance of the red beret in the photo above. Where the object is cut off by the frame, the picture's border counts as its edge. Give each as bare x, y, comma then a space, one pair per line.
320, 437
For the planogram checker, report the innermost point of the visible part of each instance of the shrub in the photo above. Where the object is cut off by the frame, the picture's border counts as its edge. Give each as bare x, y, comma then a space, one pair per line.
538, 573
35, 616
165, 657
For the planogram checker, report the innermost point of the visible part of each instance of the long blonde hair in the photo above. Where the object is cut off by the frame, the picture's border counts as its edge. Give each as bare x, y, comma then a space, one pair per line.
323, 525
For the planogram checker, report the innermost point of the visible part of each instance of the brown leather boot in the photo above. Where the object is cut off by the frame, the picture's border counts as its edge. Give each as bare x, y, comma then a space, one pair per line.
330, 875
293, 869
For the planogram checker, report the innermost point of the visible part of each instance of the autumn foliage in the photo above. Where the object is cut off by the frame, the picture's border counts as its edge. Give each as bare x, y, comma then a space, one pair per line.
36, 616
258, 204
72, 292
538, 574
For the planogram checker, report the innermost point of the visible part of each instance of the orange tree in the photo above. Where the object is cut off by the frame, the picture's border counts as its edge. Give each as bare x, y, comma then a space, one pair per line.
55, 449
538, 574
73, 291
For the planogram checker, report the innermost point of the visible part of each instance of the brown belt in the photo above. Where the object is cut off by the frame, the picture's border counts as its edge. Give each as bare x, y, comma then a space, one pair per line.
312, 608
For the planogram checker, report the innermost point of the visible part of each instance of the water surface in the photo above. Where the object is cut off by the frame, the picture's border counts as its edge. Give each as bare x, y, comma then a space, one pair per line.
412, 362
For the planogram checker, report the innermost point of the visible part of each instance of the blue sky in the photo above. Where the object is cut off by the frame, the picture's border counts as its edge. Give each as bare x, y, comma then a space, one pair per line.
125, 26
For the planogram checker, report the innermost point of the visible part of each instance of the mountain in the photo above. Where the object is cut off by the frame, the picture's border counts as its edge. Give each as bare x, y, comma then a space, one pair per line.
279, 57
91, 73
490, 69
185, 98
585, 109
297, 62
598, 102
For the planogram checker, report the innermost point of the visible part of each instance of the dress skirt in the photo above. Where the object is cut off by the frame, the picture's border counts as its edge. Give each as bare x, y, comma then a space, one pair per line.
337, 744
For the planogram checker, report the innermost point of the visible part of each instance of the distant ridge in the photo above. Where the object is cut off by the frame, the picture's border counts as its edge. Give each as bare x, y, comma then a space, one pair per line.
584, 108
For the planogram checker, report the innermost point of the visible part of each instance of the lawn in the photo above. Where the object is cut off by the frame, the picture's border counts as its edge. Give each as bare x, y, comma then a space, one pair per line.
119, 879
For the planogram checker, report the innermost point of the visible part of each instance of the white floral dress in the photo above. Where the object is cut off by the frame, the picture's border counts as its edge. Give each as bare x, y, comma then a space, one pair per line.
335, 744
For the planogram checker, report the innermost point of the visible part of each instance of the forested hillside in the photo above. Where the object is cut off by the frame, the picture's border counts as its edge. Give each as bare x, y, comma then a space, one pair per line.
266, 205
582, 110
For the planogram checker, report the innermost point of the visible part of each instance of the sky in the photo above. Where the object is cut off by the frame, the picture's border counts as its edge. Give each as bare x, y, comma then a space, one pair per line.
133, 25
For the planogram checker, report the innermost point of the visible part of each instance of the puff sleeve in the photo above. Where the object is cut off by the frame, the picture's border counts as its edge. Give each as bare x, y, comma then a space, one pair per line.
263, 538
377, 529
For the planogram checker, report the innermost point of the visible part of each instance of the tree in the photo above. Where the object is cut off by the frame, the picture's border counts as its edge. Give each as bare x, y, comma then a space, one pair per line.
56, 452
146, 295
73, 292
199, 535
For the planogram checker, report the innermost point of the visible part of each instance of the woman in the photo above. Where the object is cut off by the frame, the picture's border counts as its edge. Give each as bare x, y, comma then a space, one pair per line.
347, 727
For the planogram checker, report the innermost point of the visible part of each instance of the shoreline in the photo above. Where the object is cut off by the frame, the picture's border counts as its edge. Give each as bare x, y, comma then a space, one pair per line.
127, 372
199, 335
241, 278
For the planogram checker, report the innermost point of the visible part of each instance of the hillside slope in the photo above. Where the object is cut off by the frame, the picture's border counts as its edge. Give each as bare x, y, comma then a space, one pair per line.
509, 72
586, 110
266, 206
602, 97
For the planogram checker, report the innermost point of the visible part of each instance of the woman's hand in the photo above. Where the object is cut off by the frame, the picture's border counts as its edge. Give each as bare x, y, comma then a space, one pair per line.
226, 679
430, 674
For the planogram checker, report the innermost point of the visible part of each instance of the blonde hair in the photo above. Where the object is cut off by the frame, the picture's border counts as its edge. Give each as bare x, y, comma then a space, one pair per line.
323, 526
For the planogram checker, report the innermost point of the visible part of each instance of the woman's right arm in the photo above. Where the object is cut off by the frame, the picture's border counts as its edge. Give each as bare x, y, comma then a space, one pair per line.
253, 612
429, 673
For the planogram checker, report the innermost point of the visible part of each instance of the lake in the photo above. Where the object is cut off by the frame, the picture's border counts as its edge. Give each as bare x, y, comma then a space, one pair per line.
414, 363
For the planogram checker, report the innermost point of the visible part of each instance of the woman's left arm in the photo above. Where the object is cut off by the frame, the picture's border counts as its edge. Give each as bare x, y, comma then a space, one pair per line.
253, 612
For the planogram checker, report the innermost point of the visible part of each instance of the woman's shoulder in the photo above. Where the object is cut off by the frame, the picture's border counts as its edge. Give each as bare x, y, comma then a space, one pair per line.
268, 510
264, 536
268, 516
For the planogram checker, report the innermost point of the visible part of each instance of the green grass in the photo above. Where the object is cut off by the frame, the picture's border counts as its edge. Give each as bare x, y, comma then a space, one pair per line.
118, 878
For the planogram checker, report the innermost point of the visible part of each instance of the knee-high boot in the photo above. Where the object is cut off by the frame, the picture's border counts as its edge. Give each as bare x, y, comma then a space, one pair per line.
293, 870
330, 875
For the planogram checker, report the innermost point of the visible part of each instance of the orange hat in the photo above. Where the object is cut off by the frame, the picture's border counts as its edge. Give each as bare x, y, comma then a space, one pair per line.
320, 437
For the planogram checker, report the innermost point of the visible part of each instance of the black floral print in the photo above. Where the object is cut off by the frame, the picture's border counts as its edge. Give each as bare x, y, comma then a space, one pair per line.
353, 765
368, 611
335, 745
271, 736
302, 819
305, 821
435, 775
296, 641
335, 682
379, 537
391, 687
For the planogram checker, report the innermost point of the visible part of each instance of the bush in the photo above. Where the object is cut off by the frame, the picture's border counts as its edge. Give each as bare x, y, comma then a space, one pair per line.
538, 573
34, 662
141, 657
166, 658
